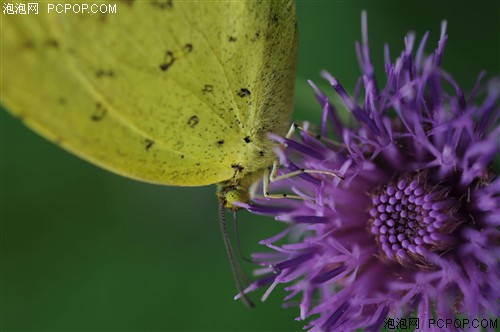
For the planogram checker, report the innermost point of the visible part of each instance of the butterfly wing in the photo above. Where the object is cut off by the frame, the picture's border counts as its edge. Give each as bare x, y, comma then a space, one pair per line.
160, 91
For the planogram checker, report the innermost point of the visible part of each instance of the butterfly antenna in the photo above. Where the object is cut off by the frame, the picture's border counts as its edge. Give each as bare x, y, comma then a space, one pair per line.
238, 243
235, 267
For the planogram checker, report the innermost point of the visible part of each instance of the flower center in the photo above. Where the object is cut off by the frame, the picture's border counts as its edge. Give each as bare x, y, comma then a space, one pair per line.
410, 219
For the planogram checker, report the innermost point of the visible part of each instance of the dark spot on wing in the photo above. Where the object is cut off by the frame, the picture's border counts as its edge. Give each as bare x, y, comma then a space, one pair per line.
247, 139
168, 60
261, 153
52, 43
104, 73
163, 4
255, 37
243, 92
149, 143
275, 19
99, 112
193, 121
197, 164
182, 156
238, 167
220, 142
171, 56
232, 39
208, 88
129, 2
62, 101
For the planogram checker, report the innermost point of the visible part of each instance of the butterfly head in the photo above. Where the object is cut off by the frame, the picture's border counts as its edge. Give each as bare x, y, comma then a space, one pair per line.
237, 190
228, 195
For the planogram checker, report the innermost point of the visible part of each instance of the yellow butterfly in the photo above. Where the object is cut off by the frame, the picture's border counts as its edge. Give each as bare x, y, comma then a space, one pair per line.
177, 93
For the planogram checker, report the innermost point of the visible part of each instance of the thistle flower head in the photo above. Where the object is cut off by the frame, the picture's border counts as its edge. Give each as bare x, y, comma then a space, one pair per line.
410, 227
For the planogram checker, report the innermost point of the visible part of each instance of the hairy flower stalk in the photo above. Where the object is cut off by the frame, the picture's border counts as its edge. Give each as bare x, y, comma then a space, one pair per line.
411, 227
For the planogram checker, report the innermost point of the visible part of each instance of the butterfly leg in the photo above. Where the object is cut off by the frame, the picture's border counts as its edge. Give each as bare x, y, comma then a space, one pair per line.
273, 176
267, 179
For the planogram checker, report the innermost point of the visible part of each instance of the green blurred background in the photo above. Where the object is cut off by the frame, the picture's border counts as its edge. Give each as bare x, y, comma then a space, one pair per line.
83, 249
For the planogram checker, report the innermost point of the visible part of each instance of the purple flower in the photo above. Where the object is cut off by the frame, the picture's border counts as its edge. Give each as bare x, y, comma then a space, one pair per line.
411, 226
